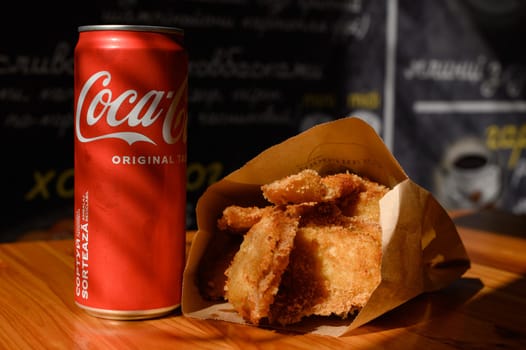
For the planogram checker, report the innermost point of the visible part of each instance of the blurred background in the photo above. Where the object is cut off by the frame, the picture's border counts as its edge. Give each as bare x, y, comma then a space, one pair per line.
442, 82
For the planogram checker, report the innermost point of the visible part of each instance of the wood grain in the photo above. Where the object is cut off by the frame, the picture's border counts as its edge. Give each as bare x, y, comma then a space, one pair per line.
485, 309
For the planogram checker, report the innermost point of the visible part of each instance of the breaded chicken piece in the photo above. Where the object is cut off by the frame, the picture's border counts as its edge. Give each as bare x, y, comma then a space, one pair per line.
305, 186
315, 251
254, 275
341, 185
225, 243
237, 219
309, 186
332, 270
216, 259
366, 203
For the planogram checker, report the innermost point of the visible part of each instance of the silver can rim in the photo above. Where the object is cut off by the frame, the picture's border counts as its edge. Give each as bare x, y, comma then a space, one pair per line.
132, 27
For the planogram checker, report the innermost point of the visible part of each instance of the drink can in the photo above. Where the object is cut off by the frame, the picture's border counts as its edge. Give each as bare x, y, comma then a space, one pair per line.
131, 86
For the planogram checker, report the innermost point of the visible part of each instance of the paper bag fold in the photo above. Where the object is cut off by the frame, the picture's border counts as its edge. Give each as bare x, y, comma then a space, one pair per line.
421, 247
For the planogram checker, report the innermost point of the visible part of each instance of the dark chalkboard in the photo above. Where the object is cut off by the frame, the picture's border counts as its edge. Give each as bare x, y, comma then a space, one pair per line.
426, 75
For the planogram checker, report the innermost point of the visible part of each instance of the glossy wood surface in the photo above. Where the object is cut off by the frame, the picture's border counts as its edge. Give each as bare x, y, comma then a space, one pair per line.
485, 309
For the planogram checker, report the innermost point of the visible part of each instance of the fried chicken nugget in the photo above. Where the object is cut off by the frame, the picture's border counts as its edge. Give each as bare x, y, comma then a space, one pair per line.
341, 185
237, 219
309, 186
366, 203
333, 270
305, 186
211, 271
254, 274
321, 257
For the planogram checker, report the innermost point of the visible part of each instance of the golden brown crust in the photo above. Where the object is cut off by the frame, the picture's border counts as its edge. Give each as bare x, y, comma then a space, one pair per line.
303, 187
237, 219
308, 186
365, 204
333, 269
341, 185
219, 253
254, 275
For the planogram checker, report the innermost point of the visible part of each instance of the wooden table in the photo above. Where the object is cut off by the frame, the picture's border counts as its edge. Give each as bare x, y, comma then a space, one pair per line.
485, 309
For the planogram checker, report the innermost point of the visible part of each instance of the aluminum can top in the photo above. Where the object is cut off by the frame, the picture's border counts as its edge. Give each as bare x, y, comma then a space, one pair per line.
132, 27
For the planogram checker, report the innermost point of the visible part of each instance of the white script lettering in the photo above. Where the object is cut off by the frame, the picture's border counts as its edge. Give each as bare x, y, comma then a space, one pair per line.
145, 111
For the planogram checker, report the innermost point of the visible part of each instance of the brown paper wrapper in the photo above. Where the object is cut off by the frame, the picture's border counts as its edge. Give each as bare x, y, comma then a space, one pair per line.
422, 250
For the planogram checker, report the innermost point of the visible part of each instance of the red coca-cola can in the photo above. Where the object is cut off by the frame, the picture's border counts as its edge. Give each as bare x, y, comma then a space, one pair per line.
131, 86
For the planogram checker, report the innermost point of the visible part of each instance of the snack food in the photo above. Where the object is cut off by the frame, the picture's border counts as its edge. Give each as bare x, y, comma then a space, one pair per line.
421, 250
316, 249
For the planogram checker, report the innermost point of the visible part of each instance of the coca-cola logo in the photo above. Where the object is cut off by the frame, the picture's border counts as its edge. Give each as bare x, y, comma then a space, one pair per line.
131, 110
